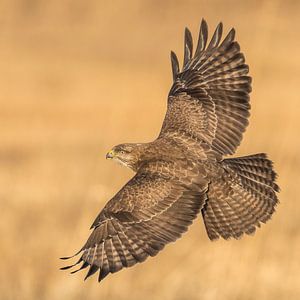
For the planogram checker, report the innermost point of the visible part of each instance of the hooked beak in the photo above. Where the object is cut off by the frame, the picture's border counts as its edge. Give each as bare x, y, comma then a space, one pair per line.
110, 154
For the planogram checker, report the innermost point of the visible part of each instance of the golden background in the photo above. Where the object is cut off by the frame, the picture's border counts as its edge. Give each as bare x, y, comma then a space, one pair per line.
78, 77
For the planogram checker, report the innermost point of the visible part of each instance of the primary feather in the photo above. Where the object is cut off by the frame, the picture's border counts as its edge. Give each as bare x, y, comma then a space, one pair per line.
183, 171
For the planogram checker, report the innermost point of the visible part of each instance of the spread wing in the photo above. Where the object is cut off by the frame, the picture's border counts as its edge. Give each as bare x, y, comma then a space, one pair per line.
209, 99
150, 211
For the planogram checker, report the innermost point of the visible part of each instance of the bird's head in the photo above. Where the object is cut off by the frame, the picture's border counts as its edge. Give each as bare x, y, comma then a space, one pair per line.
126, 154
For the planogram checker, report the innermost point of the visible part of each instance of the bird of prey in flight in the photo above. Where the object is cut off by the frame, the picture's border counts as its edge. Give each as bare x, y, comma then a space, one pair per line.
183, 173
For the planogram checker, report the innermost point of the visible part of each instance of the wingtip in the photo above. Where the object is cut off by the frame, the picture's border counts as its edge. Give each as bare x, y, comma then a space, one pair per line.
187, 32
203, 22
216, 38
83, 266
188, 37
220, 25
92, 270
188, 46
102, 274
202, 38
66, 268
68, 257
175, 65
229, 38
204, 25
70, 266
231, 34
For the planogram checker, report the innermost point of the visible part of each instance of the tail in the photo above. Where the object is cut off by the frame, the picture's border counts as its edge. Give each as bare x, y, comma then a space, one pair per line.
241, 198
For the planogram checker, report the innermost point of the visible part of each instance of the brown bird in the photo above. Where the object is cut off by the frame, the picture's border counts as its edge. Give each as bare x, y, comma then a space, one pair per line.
182, 172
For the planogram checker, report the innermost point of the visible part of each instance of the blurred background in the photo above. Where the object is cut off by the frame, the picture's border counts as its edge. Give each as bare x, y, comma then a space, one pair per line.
78, 77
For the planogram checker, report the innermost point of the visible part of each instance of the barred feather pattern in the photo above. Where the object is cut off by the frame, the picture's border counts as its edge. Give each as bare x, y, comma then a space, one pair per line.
123, 245
209, 99
243, 197
148, 213
182, 172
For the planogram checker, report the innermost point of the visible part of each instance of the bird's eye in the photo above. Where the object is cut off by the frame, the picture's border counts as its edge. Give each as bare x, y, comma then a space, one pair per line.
122, 152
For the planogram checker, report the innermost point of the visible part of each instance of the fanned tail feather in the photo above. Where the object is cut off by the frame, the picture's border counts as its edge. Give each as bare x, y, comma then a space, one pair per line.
242, 198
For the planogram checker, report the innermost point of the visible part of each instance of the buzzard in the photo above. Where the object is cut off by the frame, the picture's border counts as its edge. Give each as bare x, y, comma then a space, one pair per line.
183, 173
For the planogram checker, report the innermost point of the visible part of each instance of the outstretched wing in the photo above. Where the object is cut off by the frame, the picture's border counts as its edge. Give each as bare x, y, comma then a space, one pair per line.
209, 99
150, 211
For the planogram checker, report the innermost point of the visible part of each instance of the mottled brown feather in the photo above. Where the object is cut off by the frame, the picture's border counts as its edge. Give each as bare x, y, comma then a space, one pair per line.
209, 98
138, 223
183, 170
242, 195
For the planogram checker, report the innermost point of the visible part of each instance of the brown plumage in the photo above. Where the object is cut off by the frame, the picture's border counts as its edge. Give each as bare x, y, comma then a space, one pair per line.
183, 171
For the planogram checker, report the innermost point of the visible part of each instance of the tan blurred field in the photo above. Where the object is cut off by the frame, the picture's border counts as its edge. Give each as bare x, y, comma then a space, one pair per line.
78, 77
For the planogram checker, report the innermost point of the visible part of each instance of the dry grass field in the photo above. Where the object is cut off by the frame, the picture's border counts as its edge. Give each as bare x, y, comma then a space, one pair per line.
78, 77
